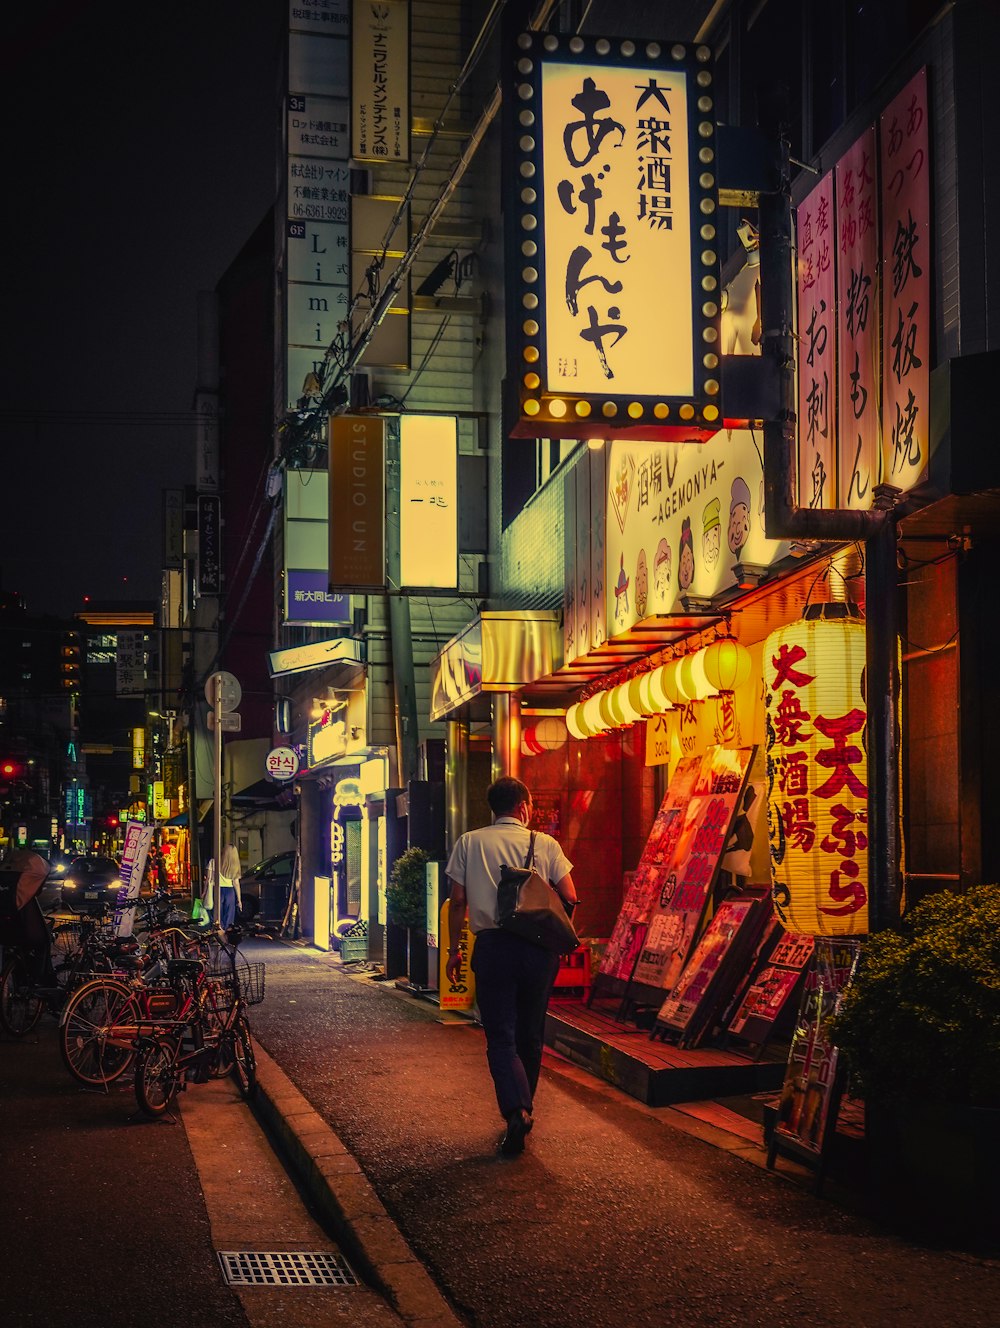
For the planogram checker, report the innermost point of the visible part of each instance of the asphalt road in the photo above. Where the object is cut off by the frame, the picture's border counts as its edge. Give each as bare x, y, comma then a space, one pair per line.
612, 1216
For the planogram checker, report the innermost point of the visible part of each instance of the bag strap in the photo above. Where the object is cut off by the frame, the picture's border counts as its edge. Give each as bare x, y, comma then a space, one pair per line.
531, 850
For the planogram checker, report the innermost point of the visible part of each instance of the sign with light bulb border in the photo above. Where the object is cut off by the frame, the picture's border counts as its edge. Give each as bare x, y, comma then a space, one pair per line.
612, 246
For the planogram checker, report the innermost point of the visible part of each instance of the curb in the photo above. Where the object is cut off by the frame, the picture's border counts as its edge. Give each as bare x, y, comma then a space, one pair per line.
346, 1201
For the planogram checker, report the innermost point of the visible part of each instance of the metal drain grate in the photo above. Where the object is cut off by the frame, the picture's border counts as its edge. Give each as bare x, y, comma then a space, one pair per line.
285, 1268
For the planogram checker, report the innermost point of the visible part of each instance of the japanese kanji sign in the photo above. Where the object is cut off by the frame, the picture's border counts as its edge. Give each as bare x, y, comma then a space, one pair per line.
380, 83
906, 285
612, 242
428, 501
817, 294
857, 322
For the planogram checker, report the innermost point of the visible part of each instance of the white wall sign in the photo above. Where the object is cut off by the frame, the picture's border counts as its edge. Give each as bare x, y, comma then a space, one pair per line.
380, 89
428, 501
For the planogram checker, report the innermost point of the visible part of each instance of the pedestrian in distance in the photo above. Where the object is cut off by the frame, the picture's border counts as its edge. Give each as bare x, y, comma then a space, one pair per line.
226, 892
513, 976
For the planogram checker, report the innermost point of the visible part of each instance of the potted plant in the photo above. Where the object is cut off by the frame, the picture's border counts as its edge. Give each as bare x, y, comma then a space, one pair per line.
920, 1030
406, 906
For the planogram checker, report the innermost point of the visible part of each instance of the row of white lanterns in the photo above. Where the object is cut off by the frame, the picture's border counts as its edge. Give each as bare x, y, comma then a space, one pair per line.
720, 667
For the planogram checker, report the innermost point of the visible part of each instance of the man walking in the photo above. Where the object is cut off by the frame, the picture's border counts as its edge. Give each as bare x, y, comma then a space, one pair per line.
513, 976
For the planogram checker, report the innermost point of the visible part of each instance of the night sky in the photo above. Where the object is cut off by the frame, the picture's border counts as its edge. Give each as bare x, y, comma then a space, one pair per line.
139, 157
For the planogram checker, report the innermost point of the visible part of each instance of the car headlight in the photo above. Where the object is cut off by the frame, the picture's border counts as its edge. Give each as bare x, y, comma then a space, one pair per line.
69, 883
60, 868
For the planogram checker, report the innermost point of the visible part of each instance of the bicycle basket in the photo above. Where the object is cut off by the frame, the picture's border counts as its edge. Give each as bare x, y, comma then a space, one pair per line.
252, 983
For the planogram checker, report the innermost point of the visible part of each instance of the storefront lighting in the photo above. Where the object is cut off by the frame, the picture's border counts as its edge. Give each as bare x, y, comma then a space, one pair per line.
592, 715
574, 717
635, 698
691, 678
544, 735
622, 701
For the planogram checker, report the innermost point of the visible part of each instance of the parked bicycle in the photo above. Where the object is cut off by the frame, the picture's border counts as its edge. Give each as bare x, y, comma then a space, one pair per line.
197, 1043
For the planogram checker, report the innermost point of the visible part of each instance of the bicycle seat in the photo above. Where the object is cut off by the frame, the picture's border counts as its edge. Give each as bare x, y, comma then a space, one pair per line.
184, 968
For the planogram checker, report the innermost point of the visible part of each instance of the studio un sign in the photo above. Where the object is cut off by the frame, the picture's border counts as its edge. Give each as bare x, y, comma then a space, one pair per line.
612, 250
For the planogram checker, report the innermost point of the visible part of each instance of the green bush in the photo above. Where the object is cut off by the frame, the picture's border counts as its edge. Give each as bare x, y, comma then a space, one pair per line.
406, 892
922, 1017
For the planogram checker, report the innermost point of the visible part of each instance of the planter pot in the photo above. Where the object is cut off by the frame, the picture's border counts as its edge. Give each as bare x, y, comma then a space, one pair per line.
935, 1169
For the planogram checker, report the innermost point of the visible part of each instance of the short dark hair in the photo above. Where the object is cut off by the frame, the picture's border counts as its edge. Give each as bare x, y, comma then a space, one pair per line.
506, 793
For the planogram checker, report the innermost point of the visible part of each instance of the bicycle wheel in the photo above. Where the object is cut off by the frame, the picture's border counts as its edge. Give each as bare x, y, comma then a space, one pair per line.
20, 1008
87, 1024
156, 1076
244, 1062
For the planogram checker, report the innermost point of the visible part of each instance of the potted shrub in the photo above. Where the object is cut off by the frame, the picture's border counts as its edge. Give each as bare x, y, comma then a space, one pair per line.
406, 906
920, 1030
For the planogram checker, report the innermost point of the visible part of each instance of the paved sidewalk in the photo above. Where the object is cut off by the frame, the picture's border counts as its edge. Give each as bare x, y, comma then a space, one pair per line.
613, 1216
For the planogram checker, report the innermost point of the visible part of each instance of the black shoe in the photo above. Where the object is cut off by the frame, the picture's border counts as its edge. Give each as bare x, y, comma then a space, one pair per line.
519, 1125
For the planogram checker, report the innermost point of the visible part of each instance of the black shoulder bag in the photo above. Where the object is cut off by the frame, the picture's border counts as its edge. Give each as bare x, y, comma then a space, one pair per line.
529, 907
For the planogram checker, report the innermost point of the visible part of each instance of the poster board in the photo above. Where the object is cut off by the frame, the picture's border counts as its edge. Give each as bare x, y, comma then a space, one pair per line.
712, 972
772, 989
647, 881
696, 841
810, 1096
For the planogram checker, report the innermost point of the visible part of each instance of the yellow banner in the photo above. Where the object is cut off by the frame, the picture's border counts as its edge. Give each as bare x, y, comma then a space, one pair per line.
461, 994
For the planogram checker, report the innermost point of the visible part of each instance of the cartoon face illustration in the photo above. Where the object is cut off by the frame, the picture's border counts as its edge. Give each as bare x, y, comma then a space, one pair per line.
641, 584
685, 557
711, 540
661, 571
739, 516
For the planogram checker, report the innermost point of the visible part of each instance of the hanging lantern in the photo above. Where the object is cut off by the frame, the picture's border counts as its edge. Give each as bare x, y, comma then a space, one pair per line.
692, 681
669, 684
635, 699
726, 664
604, 708
817, 770
621, 703
592, 718
574, 721
544, 735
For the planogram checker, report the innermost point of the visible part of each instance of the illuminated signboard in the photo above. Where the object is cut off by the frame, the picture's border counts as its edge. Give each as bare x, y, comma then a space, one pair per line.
138, 749
428, 501
613, 245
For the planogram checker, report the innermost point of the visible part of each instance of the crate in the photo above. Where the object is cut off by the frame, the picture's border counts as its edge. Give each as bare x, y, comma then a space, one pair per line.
353, 949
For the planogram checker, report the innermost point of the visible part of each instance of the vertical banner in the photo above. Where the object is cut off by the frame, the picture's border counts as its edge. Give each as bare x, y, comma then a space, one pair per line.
209, 545
460, 994
428, 501
570, 647
817, 294
584, 599
380, 82
357, 503
598, 480
906, 282
130, 664
138, 838
859, 370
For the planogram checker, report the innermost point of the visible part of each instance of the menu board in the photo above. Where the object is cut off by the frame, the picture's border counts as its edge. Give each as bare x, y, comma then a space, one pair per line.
697, 838
715, 967
808, 1094
772, 988
649, 878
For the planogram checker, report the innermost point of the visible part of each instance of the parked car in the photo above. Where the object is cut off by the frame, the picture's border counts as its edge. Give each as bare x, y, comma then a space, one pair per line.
50, 895
265, 887
91, 883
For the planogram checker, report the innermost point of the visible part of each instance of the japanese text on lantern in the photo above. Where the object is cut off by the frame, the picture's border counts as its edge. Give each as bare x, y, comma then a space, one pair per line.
906, 281
817, 347
858, 322
817, 784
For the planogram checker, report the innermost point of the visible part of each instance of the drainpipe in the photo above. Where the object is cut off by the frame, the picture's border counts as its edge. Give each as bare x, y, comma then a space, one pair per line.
877, 528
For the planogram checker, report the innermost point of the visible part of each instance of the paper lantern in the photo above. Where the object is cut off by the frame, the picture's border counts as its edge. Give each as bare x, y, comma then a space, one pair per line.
691, 679
668, 682
592, 718
611, 720
621, 702
726, 664
817, 770
544, 735
642, 708
574, 721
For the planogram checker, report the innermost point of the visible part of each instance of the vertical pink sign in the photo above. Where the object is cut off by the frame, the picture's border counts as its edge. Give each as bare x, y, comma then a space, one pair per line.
858, 376
906, 284
817, 295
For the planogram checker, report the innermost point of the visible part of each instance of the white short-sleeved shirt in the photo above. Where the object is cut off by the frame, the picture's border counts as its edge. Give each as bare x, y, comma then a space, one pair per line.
476, 860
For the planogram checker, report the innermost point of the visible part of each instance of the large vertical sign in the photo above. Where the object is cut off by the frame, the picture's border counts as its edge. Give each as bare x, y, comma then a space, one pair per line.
357, 503
859, 374
318, 148
428, 501
209, 544
612, 239
130, 664
906, 283
380, 82
817, 297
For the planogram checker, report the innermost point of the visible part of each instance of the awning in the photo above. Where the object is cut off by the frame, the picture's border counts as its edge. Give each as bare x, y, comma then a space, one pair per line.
263, 795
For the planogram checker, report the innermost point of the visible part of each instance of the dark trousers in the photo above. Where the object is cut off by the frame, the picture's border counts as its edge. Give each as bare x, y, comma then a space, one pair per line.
513, 982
